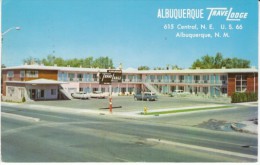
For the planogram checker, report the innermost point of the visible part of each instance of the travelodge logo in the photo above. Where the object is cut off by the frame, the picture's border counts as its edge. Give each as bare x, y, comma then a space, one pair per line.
229, 14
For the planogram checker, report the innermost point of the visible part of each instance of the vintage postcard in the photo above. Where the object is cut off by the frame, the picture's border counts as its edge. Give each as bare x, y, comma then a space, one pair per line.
129, 81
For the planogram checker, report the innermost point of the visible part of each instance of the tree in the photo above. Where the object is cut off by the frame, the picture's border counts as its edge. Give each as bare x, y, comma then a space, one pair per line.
32, 61
207, 62
158, 68
88, 62
3, 66
196, 64
227, 63
49, 61
217, 62
143, 68
103, 62
176, 67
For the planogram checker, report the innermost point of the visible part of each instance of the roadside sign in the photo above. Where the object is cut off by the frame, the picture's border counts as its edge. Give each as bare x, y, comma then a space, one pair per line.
105, 78
116, 75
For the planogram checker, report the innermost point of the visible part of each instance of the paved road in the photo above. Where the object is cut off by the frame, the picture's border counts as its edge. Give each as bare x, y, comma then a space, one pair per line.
42, 136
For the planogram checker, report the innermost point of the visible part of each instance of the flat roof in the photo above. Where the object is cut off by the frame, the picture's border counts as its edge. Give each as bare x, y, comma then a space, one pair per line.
135, 71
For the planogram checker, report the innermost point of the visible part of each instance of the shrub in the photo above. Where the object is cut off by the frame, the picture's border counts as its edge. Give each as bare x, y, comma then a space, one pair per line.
23, 99
244, 97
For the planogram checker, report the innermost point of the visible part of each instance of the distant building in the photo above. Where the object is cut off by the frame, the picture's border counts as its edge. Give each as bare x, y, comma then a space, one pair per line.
37, 82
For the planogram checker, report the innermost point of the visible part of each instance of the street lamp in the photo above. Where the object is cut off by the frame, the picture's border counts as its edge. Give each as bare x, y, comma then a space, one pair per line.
12, 28
2, 36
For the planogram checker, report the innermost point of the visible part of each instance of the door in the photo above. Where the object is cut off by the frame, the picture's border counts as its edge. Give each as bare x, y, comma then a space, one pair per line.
33, 94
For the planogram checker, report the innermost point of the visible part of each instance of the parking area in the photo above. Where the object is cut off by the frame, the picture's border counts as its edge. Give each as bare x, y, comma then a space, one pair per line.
127, 103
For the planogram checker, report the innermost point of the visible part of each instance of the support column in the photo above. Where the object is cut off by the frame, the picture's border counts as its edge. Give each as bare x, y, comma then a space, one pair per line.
254, 82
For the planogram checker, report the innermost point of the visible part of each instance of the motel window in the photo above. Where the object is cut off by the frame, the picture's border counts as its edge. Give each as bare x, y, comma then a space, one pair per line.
223, 79
130, 77
205, 90
71, 76
124, 77
80, 76
22, 73
10, 73
31, 73
21, 92
103, 89
196, 78
10, 91
95, 89
95, 77
81, 89
241, 83
181, 78
181, 88
205, 78
53, 92
159, 78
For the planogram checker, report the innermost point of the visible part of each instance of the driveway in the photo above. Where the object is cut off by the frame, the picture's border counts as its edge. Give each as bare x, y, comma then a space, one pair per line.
127, 103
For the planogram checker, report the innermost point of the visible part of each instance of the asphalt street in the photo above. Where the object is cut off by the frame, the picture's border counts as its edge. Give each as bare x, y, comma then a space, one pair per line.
42, 136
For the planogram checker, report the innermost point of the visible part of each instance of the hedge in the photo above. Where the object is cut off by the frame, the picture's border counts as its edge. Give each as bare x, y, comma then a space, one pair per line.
244, 97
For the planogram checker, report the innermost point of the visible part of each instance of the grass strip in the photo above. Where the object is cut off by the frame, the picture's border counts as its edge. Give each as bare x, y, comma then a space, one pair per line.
185, 110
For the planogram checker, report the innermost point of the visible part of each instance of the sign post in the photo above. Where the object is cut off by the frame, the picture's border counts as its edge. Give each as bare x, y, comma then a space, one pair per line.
106, 78
110, 99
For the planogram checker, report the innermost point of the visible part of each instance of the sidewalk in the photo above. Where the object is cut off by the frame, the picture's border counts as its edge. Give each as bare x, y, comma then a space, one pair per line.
134, 114
138, 113
252, 104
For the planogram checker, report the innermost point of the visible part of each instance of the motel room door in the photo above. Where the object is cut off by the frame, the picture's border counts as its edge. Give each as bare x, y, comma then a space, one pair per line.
33, 94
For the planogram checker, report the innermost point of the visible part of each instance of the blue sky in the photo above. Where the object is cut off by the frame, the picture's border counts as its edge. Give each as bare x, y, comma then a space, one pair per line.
127, 31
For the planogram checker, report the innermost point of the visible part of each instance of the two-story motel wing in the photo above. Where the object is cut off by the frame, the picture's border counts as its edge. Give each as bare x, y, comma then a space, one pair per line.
38, 82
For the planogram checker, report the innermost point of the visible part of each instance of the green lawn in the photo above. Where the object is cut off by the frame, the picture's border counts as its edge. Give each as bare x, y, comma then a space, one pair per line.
185, 110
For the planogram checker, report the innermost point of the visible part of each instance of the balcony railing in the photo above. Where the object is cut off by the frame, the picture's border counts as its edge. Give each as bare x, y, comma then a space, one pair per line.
187, 81
218, 82
131, 80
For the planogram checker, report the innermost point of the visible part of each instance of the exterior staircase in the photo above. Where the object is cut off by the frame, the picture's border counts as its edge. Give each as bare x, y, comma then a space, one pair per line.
152, 88
65, 94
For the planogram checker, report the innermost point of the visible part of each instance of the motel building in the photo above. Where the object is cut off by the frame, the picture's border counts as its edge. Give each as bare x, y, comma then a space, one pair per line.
39, 82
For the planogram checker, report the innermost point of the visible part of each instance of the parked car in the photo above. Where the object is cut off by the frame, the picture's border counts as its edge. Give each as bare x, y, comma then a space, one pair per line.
80, 95
177, 93
149, 96
99, 94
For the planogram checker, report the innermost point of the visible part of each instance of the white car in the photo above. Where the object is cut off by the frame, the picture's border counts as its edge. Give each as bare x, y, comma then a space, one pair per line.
80, 95
177, 93
98, 94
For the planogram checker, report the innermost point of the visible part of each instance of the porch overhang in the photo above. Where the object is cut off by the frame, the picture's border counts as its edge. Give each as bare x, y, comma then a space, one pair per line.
38, 82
